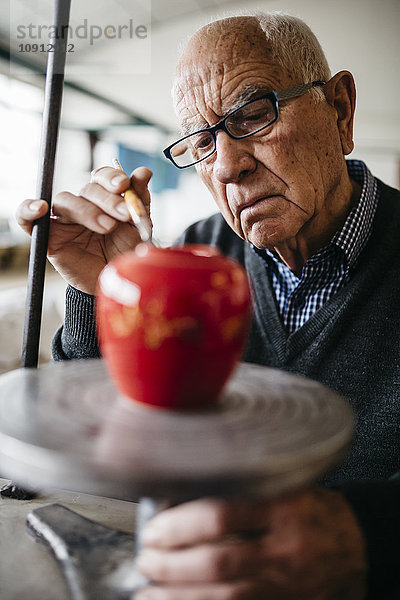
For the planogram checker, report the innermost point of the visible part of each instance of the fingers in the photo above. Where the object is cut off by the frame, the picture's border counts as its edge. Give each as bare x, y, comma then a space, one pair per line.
203, 563
237, 590
117, 182
76, 209
305, 546
99, 206
28, 211
111, 179
102, 208
204, 520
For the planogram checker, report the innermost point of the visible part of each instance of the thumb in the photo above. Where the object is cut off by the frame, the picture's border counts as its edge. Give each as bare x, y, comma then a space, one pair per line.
28, 211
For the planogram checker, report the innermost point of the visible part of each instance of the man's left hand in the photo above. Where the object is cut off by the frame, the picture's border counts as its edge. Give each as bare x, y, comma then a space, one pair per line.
305, 546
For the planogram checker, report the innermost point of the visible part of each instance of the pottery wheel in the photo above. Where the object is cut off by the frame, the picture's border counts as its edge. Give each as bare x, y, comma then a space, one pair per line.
65, 426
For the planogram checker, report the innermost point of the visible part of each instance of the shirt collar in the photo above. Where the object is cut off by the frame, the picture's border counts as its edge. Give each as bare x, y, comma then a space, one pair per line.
354, 234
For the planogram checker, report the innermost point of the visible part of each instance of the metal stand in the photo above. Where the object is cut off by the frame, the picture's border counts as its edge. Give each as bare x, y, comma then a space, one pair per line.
40, 230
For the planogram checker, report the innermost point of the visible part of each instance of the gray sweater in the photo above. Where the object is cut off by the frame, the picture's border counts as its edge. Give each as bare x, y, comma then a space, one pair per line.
351, 344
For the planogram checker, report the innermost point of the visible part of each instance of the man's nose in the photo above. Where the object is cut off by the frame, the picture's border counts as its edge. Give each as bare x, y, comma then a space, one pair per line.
234, 158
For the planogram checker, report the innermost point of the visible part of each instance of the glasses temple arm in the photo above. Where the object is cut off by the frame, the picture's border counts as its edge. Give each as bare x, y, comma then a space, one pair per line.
297, 90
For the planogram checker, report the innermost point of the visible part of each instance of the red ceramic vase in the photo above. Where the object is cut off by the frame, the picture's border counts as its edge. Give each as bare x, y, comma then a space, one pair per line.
172, 323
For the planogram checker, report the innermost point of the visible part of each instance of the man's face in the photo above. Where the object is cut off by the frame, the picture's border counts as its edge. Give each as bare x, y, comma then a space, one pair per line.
271, 186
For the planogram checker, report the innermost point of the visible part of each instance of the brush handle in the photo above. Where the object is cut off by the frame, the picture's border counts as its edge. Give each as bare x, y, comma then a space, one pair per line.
136, 210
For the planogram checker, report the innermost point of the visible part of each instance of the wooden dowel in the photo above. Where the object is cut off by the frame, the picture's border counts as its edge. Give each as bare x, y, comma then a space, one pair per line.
40, 232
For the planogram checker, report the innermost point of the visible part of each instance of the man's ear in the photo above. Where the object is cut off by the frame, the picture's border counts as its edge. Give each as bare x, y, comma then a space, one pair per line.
340, 92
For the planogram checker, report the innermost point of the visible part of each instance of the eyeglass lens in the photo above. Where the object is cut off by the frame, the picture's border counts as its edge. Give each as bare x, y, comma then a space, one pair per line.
251, 118
242, 122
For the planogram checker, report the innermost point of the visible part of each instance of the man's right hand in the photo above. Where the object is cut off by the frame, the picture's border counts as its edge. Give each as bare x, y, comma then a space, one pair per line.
88, 230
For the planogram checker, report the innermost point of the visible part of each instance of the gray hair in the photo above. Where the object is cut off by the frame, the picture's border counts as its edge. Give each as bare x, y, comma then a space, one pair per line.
295, 47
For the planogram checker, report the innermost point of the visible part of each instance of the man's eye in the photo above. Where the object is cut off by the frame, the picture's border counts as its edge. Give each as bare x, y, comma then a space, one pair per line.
254, 117
252, 114
203, 142
247, 123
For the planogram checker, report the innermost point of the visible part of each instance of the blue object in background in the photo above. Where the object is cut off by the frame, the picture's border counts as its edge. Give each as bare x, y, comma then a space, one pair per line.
165, 175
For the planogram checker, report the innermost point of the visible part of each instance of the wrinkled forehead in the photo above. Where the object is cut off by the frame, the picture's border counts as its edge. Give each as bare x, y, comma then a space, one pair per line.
218, 64
227, 39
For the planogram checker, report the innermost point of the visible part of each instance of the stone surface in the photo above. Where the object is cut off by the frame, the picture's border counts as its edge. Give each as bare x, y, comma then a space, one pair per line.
97, 561
28, 571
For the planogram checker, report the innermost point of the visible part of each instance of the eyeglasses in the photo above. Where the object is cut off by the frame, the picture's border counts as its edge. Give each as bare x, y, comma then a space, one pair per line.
248, 119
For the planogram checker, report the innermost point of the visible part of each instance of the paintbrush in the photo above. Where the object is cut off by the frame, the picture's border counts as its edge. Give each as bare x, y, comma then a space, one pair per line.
136, 210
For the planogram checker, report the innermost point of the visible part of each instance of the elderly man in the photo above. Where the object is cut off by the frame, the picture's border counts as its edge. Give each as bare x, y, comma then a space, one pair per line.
268, 129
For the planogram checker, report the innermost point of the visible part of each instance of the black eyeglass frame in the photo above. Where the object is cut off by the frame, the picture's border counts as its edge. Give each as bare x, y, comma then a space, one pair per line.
274, 97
